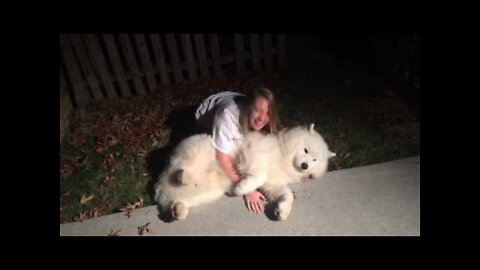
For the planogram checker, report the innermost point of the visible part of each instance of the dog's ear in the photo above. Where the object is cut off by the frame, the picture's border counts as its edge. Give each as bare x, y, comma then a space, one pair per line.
331, 154
312, 125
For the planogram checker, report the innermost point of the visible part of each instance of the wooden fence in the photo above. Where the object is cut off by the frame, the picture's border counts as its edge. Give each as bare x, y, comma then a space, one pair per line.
96, 66
65, 106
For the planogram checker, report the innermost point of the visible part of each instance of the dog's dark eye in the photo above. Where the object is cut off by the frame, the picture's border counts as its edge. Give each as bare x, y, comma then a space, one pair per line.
314, 159
306, 151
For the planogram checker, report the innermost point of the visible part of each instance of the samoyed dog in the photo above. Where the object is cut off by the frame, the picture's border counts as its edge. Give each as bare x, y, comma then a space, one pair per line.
268, 163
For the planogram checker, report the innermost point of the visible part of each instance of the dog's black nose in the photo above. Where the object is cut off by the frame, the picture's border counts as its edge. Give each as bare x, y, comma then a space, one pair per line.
304, 166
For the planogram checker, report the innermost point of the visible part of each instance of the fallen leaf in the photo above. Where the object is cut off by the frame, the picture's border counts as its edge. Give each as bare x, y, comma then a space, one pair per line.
84, 199
112, 233
143, 228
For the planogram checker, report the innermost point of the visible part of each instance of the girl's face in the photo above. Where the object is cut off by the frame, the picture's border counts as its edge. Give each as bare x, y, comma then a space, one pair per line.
259, 115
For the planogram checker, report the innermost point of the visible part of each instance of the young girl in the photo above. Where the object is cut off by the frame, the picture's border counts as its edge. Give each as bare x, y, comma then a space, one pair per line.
226, 116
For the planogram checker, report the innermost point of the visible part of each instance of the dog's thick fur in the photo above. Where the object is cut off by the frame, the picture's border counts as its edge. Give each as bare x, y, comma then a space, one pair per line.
265, 162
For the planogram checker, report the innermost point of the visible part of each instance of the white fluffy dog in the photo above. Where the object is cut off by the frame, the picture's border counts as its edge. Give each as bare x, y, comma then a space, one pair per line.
265, 162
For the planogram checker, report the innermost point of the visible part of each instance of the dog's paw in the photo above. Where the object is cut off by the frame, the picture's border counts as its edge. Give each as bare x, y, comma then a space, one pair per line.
179, 211
282, 212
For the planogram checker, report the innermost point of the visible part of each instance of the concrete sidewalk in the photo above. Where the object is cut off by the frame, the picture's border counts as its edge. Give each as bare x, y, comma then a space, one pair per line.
377, 200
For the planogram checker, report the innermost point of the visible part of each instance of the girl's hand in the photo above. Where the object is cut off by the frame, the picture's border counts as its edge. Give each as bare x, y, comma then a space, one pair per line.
253, 200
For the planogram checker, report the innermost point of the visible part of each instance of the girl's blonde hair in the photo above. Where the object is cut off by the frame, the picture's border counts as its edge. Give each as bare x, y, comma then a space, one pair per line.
246, 106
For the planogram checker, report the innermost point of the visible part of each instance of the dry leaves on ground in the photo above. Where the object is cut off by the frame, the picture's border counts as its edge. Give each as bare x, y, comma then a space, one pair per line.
86, 215
130, 207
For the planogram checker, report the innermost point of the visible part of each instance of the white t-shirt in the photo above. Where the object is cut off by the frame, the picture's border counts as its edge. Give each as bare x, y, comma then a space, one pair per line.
221, 113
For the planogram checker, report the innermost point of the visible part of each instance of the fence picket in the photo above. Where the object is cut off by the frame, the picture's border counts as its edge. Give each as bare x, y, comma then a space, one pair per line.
239, 52
160, 58
145, 59
215, 49
202, 55
98, 60
73, 71
174, 58
85, 65
117, 64
188, 52
132, 63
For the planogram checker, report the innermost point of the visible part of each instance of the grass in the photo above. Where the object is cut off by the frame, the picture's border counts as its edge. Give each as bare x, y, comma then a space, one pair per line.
123, 183
107, 151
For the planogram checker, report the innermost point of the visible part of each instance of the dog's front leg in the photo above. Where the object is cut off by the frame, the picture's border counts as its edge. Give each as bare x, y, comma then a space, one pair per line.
250, 183
254, 177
